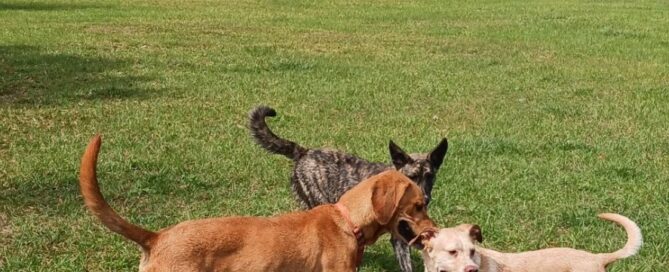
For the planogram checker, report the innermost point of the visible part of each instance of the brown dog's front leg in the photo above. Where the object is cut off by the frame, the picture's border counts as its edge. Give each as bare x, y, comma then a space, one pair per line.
402, 254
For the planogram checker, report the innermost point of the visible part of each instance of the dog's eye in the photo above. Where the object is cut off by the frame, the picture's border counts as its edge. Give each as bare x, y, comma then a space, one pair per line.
419, 207
453, 252
471, 253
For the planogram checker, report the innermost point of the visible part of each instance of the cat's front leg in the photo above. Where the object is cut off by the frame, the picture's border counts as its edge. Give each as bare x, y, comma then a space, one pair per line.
402, 254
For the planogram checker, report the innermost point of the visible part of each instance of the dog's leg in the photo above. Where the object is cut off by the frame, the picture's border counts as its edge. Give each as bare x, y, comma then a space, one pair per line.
402, 254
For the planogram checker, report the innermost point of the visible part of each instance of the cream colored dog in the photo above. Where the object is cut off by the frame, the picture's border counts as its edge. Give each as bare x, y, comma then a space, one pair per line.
454, 250
325, 238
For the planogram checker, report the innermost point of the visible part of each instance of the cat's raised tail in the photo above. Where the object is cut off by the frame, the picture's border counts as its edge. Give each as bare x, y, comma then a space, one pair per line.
267, 139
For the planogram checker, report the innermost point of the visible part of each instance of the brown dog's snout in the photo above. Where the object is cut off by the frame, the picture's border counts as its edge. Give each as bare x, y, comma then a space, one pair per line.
427, 224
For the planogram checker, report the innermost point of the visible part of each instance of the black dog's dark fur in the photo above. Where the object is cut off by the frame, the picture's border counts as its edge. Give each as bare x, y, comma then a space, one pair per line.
321, 176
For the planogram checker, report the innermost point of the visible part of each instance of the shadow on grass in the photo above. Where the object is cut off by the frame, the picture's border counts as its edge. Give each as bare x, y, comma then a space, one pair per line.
37, 6
32, 78
46, 198
43, 194
271, 67
387, 261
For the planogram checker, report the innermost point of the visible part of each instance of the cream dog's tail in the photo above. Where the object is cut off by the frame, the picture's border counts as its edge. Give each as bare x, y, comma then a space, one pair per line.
96, 203
634, 238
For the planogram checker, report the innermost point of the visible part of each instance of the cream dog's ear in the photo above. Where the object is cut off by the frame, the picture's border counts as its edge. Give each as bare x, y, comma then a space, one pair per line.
473, 230
387, 192
422, 241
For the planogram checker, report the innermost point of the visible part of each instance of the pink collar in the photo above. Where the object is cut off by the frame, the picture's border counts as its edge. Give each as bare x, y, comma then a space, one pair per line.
359, 236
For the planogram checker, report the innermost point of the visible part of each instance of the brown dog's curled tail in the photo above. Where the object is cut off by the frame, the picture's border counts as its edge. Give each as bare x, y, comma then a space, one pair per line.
96, 203
634, 238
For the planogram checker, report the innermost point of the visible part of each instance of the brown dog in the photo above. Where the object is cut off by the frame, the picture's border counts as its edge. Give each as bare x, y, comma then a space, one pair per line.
326, 238
454, 250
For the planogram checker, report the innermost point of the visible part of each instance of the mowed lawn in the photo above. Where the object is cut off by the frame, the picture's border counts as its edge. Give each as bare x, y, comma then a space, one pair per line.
555, 112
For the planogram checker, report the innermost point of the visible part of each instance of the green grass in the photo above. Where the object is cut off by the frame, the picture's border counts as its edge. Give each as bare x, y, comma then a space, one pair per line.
555, 112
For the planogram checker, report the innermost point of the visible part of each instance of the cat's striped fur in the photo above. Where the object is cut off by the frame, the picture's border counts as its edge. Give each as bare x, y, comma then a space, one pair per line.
321, 176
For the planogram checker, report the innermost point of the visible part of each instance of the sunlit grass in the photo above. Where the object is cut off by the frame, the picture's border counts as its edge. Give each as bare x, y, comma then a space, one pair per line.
555, 112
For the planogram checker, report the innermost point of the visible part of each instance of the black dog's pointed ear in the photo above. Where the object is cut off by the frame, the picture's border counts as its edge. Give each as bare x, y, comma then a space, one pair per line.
398, 156
436, 157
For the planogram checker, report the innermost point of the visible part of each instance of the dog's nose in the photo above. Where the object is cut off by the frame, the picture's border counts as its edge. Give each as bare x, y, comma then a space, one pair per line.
471, 268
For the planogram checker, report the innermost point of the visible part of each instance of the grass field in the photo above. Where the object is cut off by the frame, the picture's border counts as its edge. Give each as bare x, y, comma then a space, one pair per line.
554, 111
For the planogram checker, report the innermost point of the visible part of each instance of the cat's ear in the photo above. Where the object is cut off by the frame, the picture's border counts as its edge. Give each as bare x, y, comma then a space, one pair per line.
398, 156
436, 157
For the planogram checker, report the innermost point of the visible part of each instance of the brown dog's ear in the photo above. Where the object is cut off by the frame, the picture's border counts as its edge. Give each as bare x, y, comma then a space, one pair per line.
387, 192
436, 157
398, 156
